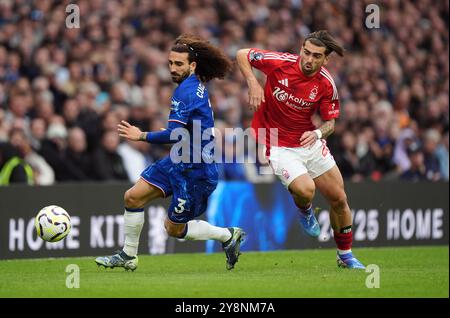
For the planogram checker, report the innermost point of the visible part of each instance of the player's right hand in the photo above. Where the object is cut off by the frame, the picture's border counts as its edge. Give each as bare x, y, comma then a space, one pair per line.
308, 139
255, 95
128, 131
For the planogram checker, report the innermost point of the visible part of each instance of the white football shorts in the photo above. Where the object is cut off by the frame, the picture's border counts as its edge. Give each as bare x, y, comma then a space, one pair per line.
289, 163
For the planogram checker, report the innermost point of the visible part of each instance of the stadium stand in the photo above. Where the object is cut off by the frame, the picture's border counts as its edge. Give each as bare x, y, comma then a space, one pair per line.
65, 89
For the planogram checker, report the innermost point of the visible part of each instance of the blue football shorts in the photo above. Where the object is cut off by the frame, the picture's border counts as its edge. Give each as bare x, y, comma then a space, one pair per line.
190, 185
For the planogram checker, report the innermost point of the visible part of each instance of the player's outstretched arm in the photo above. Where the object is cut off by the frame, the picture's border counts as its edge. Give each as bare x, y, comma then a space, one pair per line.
255, 91
131, 132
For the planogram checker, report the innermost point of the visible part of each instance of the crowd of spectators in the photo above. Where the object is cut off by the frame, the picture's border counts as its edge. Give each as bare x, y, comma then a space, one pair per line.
64, 90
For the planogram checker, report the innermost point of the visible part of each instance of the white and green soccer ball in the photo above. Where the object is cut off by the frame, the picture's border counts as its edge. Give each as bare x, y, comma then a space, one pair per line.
52, 223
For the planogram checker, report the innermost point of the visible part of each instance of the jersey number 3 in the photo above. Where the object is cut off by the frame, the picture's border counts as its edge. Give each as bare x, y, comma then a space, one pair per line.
180, 207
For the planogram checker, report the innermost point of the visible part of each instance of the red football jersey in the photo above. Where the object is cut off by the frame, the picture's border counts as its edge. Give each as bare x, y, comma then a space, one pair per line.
291, 98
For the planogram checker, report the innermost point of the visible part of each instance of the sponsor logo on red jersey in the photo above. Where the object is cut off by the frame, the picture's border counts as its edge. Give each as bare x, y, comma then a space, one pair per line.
290, 99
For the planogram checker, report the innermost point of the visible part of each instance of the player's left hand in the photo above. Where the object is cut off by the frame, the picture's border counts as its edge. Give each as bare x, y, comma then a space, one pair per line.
308, 139
128, 131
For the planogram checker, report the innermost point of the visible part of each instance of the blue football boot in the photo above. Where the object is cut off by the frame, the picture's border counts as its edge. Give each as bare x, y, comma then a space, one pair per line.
309, 222
348, 261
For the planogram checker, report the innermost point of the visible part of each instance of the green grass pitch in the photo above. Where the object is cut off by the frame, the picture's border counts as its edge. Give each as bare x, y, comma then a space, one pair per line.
404, 272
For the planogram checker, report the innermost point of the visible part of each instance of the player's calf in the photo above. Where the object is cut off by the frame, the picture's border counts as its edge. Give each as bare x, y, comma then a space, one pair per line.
177, 230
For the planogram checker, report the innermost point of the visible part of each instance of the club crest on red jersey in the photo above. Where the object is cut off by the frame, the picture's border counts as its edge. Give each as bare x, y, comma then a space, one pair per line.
313, 92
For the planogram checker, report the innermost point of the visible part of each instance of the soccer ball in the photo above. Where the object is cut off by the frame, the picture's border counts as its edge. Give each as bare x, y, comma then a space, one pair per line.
52, 223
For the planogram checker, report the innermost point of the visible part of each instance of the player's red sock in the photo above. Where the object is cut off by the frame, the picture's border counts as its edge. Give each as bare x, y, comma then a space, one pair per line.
344, 239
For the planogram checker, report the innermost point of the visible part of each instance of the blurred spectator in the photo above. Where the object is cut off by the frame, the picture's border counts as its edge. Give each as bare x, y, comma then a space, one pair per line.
43, 174
4, 127
431, 142
108, 164
76, 155
134, 158
38, 130
442, 155
71, 113
347, 159
13, 168
400, 158
53, 149
17, 109
417, 170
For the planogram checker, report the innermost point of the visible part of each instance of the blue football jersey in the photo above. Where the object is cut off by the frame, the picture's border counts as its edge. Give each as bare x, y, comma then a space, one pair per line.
191, 107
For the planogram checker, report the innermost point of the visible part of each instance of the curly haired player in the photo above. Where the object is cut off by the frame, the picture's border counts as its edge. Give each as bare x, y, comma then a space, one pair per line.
192, 63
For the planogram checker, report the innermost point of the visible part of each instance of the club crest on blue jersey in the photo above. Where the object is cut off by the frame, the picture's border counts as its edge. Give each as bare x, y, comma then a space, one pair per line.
175, 104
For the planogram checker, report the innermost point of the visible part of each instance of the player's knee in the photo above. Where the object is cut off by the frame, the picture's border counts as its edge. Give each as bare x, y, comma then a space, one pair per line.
303, 192
339, 202
174, 230
131, 201
309, 193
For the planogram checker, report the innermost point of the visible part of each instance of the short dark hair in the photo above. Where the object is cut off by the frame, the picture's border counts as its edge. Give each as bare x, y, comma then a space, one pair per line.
211, 61
323, 38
